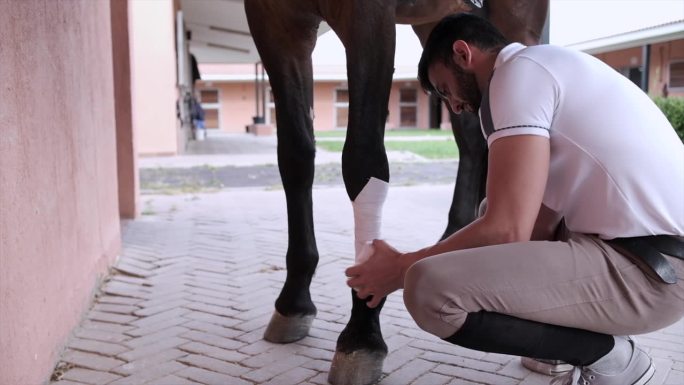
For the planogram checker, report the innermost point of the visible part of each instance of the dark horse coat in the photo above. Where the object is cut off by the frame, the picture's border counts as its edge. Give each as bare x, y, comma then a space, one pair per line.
285, 33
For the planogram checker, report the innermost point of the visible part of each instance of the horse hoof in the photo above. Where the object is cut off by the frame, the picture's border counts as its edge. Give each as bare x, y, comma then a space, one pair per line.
284, 329
360, 367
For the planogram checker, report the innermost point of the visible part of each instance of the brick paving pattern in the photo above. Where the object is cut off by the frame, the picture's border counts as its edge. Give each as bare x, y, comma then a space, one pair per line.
193, 290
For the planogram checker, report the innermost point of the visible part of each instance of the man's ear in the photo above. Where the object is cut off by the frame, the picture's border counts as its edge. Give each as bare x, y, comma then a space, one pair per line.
461, 53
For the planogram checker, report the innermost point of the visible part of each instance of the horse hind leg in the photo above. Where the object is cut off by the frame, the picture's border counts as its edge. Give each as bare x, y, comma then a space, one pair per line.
469, 189
471, 176
287, 59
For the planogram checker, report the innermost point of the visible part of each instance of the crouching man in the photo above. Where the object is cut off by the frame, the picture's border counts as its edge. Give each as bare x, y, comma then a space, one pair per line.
581, 242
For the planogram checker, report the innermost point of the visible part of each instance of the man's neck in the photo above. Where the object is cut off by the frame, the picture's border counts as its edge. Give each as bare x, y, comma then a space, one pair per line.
485, 68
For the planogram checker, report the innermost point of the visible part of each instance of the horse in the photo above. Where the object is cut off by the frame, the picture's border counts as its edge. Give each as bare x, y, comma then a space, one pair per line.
285, 34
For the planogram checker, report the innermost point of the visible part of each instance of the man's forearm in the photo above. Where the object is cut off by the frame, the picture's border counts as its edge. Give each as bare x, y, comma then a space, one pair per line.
477, 234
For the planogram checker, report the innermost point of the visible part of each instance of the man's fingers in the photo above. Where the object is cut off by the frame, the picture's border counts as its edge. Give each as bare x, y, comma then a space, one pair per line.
354, 281
374, 302
363, 292
352, 271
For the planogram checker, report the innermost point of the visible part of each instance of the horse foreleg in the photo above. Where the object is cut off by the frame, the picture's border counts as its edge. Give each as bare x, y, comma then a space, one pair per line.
472, 171
368, 33
285, 48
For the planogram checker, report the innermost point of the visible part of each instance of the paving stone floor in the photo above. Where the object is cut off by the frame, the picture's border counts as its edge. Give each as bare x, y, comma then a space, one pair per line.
193, 290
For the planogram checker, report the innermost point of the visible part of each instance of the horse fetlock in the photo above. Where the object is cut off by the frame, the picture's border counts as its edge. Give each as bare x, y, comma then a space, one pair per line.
284, 329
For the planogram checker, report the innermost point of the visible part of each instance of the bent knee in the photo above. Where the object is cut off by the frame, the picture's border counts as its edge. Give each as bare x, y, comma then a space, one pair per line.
429, 304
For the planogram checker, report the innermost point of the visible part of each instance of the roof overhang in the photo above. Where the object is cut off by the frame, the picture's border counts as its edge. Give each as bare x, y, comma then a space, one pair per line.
652, 35
219, 31
221, 74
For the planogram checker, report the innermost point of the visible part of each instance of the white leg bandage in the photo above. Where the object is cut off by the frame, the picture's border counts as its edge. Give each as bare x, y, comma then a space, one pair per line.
368, 215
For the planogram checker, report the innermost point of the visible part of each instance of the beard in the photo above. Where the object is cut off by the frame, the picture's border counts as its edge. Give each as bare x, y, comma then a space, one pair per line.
469, 92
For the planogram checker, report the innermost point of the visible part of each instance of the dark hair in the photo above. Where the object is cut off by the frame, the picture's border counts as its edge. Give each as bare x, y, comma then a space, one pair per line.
472, 29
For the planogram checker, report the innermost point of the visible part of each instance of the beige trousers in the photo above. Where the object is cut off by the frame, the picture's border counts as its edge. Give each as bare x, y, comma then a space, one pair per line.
579, 282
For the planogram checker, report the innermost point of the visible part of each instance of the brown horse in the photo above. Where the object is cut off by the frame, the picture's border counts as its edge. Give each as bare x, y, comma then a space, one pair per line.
285, 33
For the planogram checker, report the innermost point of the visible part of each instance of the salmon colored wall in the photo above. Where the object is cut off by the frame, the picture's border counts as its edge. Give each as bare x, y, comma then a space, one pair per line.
661, 56
127, 170
423, 108
153, 76
59, 228
237, 104
324, 104
393, 107
423, 118
624, 58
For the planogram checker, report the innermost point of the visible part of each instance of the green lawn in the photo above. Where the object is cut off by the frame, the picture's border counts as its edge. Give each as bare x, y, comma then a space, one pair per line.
388, 133
431, 149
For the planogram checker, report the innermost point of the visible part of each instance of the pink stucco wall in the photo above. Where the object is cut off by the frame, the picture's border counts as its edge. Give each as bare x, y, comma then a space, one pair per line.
153, 77
59, 222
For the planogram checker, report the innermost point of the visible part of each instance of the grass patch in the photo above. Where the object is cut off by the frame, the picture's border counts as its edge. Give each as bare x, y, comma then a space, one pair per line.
181, 189
390, 133
335, 146
431, 149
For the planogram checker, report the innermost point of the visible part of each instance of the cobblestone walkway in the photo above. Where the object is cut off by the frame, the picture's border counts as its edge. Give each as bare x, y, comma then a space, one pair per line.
193, 290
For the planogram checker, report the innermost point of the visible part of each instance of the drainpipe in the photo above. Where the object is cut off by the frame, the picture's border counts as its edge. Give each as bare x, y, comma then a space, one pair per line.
256, 91
263, 94
260, 91
646, 66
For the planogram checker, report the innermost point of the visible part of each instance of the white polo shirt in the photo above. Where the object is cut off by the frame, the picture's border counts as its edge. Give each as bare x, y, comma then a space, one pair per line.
617, 165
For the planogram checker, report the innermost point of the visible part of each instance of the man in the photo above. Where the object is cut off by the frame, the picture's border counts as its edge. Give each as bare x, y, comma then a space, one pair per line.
585, 190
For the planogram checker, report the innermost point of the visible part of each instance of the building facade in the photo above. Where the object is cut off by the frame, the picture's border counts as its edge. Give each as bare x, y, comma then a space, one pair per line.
665, 69
228, 92
653, 57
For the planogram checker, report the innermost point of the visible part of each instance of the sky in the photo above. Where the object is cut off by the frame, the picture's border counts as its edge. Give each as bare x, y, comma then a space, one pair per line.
572, 21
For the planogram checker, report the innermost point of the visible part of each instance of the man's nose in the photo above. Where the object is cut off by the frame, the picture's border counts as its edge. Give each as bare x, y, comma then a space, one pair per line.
456, 106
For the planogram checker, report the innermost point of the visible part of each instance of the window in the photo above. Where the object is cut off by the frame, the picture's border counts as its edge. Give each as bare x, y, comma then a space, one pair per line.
408, 107
341, 107
210, 103
676, 74
633, 74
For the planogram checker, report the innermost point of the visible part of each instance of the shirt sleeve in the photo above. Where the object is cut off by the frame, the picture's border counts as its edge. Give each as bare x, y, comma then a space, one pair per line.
521, 100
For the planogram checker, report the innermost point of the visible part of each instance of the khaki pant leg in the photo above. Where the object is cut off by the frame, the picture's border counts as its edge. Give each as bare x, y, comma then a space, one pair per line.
581, 283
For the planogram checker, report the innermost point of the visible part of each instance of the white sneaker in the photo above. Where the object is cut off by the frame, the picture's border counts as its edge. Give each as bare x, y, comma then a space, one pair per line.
639, 371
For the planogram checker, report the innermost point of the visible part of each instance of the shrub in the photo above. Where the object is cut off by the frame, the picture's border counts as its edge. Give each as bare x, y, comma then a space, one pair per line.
673, 108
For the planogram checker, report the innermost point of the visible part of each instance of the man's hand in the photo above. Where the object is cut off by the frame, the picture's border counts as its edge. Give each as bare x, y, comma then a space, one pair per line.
379, 275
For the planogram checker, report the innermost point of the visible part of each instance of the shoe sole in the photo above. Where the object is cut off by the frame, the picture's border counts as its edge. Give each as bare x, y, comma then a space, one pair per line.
647, 376
544, 367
